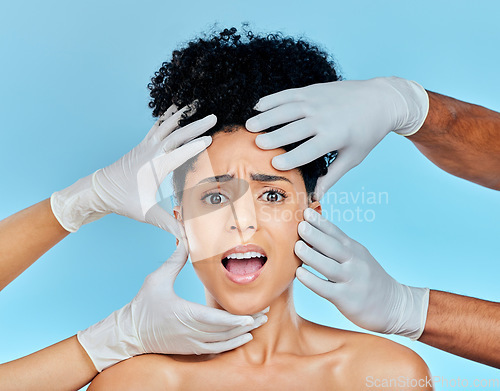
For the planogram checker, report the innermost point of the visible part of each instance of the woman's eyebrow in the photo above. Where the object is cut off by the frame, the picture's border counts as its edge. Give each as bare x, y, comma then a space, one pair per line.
217, 178
255, 177
269, 178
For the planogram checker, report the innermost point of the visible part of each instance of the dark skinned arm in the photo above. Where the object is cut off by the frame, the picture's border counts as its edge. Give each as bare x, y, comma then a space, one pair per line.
464, 326
464, 140
461, 138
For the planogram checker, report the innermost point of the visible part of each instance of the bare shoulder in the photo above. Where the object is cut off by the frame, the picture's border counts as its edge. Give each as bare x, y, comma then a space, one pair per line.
145, 372
373, 362
385, 364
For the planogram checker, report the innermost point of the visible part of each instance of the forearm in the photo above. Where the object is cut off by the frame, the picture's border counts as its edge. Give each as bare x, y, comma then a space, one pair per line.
462, 139
464, 326
25, 237
63, 366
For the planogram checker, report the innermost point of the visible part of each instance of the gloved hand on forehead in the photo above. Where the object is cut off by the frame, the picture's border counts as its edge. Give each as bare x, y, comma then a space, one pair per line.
159, 321
357, 285
128, 187
350, 117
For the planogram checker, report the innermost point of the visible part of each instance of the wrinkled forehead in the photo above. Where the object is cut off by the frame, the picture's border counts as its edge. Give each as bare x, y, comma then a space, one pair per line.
237, 154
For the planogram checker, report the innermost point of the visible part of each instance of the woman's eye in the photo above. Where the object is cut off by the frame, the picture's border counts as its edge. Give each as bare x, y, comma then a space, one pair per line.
273, 196
214, 198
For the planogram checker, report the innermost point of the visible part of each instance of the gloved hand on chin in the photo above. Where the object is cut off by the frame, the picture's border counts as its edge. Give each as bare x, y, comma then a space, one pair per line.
159, 321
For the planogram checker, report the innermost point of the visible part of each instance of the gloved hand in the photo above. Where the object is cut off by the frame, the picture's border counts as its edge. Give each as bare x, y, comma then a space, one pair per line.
357, 285
128, 187
159, 321
350, 117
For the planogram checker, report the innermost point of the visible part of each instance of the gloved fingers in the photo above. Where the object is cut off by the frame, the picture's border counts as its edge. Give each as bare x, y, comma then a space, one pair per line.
165, 124
210, 320
205, 316
324, 243
264, 311
171, 110
223, 346
214, 319
185, 152
324, 225
189, 132
172, 123
336, 170
237, 331
278, 98
168, 271
325, 265
279, 115
301, 155
319, 286
293, 132
212, 336
159, 217
168, 113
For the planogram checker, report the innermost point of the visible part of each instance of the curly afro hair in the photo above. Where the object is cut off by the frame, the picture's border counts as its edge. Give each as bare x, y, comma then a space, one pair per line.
226, 74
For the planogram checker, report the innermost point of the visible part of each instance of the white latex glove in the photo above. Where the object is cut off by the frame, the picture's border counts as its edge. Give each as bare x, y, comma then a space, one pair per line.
357, 285
128, 187
159, 321
350, 117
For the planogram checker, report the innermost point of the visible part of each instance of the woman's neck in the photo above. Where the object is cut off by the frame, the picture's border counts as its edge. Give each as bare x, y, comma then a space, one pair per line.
280, 334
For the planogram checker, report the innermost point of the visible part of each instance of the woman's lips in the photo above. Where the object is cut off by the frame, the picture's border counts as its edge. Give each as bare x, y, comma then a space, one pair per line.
243, 248
243, 278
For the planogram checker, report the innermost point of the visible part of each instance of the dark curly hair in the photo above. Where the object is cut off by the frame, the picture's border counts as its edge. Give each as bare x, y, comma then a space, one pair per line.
226, 74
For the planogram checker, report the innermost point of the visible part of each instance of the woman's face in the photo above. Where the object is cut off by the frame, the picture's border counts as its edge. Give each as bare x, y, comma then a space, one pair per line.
251, 203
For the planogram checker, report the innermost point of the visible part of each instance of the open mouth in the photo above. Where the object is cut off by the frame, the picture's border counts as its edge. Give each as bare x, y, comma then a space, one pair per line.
244, 266
244, 263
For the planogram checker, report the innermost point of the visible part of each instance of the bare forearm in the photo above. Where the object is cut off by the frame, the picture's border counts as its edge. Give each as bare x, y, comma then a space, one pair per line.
25, 237
462, 139
464, 326
63, 366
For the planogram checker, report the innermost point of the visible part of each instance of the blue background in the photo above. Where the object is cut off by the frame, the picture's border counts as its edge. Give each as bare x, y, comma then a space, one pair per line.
73, 98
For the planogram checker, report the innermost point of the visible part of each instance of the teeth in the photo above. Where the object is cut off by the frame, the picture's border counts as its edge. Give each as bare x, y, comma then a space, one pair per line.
250, 254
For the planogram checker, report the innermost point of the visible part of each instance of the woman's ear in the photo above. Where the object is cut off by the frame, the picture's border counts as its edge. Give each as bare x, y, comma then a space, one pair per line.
177, 213
178, 216
316, 206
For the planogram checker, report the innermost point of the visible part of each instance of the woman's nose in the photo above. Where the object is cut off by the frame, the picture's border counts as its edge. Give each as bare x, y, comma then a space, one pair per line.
243, 217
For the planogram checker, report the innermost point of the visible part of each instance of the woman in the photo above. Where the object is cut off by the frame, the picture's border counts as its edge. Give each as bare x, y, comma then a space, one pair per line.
241, 218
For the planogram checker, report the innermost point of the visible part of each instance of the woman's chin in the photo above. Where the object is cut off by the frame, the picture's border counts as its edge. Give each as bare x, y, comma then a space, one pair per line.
243, 308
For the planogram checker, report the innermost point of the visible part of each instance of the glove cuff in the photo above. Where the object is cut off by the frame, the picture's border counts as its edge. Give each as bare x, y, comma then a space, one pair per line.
421, 316
111, 340
414, 312
416, 100
77, 204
